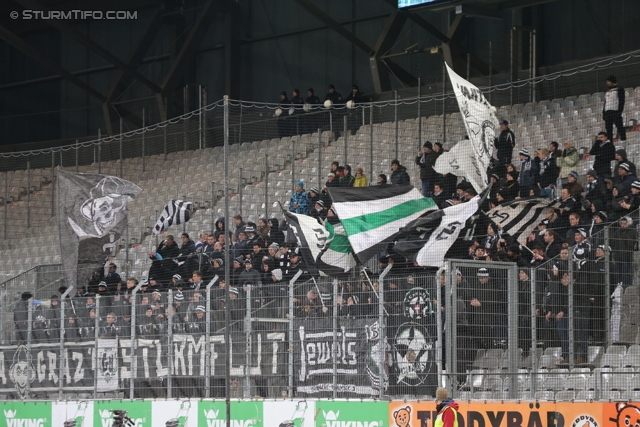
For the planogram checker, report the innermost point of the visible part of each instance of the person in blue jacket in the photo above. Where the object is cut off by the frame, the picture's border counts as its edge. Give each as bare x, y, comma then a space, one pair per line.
299, 202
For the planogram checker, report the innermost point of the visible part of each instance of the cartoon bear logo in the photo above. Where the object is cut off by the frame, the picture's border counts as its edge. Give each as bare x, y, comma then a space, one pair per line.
628, 415
402, 417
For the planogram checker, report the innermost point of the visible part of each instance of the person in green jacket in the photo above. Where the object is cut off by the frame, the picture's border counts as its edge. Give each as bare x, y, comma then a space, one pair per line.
568, 160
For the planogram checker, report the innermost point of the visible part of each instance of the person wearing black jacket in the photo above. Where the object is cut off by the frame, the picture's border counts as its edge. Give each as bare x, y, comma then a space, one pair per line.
275, 234
112, 278
613, 107
505, 143
296, 100
399, 175
557, 311
425, 161
163, 266
333, 96
439, 196
548, 173
605, 152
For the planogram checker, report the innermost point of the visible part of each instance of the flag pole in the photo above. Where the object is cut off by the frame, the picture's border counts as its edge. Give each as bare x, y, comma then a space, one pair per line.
318, 290
372, 288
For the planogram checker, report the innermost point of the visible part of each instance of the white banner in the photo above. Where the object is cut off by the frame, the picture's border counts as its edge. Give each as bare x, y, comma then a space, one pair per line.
107, 369
454, 219
482, 126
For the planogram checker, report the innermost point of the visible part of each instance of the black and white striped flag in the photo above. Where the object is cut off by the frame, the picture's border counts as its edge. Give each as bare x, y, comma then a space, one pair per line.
175, 212
520, 217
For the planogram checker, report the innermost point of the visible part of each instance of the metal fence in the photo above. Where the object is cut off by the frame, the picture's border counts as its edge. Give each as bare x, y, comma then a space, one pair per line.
538, 328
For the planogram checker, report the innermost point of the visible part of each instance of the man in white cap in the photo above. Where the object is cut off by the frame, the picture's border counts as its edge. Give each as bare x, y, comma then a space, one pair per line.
582, 248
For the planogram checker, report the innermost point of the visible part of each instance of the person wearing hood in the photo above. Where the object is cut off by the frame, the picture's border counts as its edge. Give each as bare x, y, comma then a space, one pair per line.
399, 175
621, 157
615, 206
275, 234
298, 203
567, 160
426, 160
447, 409
605, 152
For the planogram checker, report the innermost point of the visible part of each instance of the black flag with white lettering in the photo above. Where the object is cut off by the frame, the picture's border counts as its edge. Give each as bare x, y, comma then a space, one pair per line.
175, 212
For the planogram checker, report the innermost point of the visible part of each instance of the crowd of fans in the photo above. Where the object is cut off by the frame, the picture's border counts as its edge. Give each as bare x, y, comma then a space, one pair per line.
264, 260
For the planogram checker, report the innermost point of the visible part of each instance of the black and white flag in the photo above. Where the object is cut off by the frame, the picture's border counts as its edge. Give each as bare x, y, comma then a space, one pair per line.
427, 244
92, 215
175, 212
520, 217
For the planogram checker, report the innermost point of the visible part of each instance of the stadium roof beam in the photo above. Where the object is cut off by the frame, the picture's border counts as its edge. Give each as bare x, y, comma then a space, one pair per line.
322, 16
380, 68
123, 79
188, 50
89, 44
39, 56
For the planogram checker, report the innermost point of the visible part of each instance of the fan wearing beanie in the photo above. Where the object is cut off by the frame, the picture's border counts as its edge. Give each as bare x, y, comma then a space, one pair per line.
299, 200
447, 409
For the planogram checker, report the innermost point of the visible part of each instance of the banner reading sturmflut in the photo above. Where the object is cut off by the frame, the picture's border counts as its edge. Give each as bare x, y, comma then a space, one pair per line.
92, 216
470, 159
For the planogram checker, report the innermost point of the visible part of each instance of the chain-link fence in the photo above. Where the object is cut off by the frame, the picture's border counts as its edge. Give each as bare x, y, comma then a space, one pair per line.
544, 327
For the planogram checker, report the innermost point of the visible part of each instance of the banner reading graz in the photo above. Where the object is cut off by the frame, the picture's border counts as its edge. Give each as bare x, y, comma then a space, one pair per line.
40, 369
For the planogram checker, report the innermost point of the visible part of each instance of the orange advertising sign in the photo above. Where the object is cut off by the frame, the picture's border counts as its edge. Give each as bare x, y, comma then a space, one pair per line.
514, 414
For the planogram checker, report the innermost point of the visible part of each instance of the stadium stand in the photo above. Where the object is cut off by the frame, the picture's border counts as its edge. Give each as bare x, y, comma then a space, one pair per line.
610, 369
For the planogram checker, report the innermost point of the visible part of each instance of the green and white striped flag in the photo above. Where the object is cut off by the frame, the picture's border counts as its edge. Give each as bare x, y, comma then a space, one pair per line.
373, 216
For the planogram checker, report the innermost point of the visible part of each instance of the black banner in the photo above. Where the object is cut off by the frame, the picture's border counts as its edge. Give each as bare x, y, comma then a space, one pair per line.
40, 369
359, 357
402, 363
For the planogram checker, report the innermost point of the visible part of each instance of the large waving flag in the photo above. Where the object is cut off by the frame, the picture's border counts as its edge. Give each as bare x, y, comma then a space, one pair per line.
520, 217
426, 241
325, 248
461, 161
482, 124
92, 216
373, 216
